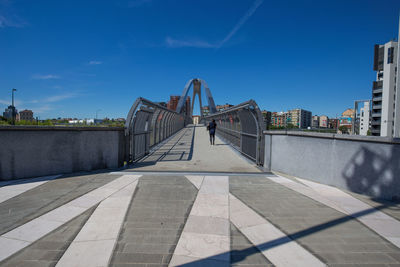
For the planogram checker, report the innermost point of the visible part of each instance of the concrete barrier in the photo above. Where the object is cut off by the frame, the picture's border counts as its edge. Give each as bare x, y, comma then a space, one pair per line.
363, 164
38, 151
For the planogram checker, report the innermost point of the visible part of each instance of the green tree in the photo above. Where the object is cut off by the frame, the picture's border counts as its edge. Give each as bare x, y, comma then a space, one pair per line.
343, 129
290, 126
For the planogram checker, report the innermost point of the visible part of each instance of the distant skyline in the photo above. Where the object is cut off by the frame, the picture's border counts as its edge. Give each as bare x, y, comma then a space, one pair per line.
73, 58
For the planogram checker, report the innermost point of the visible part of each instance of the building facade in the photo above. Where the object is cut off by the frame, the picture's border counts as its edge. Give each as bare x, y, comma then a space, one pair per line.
300, 118
333, 123
267, 115
315, 121
364, 120
223, 107
173, 103
10, 113
323, 121
206, 110
385, 117
279, 119
26, 115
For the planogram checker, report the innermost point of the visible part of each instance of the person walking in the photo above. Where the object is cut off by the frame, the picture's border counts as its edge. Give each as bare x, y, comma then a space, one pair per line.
212, 126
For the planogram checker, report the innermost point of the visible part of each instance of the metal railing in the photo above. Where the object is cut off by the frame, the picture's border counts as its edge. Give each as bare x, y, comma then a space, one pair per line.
147, 125
242, 127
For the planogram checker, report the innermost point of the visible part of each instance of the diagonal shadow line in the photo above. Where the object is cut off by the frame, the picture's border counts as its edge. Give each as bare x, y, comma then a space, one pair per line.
286, 239
166, 151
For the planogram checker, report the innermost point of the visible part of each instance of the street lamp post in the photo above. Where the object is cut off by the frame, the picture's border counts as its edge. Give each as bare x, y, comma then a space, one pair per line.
13, 107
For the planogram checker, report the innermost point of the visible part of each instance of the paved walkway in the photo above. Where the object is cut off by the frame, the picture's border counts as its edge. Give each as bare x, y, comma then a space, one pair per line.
190, 150
144, 218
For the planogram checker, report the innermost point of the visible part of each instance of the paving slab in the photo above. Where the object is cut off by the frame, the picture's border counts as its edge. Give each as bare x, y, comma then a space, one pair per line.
48, 250
273, 243
41, 226
14, 188
48, 196
149, 236
94, 244
320, 229
206, 237
243, 252
383, 224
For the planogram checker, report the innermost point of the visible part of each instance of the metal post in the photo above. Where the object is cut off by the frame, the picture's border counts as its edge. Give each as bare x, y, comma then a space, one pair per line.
13, 107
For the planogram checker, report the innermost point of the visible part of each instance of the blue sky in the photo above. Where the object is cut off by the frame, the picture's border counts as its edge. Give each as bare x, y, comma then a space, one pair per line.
73, 58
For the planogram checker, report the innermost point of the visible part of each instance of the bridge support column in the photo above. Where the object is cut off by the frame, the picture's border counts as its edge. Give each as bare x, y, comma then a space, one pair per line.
197, 91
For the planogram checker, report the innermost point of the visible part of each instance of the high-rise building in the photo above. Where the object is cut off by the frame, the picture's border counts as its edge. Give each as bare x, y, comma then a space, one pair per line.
385, 115
300, 118
10, 113
26, 115
364, 119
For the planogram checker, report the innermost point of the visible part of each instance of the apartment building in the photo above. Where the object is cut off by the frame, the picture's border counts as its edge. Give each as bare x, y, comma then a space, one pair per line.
323, 121
385, 115
279, 119
300, 118
364, 119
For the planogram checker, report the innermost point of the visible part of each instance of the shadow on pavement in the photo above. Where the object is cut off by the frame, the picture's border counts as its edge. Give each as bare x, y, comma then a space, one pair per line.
180, 149
244, 253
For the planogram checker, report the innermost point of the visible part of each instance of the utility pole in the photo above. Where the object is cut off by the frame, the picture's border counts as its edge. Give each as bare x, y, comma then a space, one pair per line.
13, 107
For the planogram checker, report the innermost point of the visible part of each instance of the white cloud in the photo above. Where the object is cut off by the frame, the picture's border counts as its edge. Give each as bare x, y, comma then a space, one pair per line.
4, 102
42, 109
95, 62
175, 43
8, 16
241, 22
45, 77
170, 42
8, 102
56, 98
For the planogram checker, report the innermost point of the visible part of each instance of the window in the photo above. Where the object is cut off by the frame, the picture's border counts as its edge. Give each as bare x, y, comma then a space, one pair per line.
390, 55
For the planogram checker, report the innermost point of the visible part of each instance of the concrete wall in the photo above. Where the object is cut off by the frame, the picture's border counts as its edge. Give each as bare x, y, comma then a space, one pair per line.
362, 164
38, 151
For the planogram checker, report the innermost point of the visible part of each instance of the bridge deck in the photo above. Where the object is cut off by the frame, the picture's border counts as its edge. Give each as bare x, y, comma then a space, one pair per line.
190, 150
160, 219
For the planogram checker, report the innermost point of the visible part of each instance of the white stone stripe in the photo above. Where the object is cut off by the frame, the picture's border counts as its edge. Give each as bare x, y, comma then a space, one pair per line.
381, 223
275, 245
205, 239
10, 189
95, 243
24, 235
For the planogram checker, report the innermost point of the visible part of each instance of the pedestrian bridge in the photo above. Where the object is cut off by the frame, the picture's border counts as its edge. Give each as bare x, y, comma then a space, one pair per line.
255, 198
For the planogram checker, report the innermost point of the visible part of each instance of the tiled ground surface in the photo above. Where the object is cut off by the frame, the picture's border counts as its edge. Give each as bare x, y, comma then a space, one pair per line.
33, 203
154, 221
159, 210
48, 250
243, 253
333, 237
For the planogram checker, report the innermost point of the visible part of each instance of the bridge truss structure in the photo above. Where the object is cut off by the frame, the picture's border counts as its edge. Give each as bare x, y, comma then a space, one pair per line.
242, 127
149, 123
